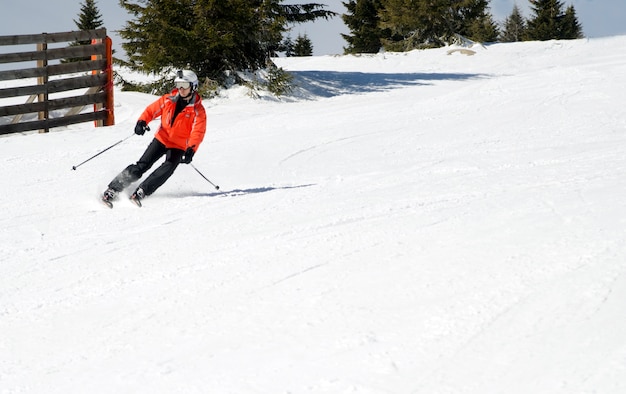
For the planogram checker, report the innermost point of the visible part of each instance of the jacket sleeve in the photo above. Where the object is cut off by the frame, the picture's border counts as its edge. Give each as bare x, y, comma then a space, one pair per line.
153, 110
198, 129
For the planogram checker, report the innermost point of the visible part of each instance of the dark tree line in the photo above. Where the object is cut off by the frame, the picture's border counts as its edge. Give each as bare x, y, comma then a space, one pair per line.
400, 25
549, 22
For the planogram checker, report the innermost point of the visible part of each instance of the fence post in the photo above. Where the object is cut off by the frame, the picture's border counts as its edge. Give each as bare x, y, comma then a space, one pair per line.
110, 120
43, 80
98, 106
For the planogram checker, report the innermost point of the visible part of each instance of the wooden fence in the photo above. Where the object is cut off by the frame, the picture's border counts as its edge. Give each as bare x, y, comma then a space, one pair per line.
67, 81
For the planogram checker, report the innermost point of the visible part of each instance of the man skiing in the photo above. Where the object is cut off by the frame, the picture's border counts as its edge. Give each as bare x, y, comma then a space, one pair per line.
182, 129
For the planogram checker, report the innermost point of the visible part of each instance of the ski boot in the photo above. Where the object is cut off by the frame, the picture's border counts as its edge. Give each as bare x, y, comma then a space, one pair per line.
108, 197
137, 196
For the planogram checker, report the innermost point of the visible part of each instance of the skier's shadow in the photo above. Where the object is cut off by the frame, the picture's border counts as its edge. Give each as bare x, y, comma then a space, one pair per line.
240, 192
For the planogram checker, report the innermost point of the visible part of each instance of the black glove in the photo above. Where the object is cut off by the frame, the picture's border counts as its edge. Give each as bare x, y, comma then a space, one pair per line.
188, 156
141, 127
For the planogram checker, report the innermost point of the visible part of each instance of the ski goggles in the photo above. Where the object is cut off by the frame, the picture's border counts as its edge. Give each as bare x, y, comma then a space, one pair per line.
183, 85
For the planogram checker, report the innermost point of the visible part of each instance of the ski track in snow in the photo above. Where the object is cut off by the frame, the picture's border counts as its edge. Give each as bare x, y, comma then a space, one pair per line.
407, 223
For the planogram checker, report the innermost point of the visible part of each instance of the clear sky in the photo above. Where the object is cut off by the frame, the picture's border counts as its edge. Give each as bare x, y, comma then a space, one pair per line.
598, 18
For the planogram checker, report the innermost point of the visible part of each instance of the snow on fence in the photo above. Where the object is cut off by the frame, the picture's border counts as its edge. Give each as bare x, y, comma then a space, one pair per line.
74, 85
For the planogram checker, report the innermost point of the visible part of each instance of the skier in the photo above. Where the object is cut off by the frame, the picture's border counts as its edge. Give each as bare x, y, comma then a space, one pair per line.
182, 129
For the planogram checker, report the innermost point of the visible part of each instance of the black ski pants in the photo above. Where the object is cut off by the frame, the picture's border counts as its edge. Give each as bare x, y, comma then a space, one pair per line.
134, 172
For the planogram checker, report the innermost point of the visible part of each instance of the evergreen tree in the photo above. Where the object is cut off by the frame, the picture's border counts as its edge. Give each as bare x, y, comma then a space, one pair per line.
432, 23
363, 21
209, 36
484, 29
409, 26
571, 28
88, 19
514, 26
546, 21
551, 23
303, 46
287, 46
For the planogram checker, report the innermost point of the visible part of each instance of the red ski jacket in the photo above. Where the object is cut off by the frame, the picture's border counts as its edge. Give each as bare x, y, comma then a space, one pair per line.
189, 126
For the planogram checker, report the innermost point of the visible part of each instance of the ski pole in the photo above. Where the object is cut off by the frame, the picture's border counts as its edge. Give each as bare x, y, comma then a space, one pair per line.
98, 154
205, 178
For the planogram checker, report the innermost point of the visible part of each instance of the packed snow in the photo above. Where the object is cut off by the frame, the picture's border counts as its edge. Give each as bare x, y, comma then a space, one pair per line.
422, 222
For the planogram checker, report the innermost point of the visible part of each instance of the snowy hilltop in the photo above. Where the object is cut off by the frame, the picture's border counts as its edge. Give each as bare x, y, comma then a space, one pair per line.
436, 221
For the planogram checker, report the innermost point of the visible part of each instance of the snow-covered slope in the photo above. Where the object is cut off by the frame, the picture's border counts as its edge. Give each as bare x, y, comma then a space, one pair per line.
408, 223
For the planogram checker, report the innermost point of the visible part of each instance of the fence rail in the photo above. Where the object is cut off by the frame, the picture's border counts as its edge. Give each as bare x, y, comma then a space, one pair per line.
94, 74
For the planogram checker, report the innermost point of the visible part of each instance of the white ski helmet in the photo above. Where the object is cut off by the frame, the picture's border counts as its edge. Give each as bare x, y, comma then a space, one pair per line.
187, 76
